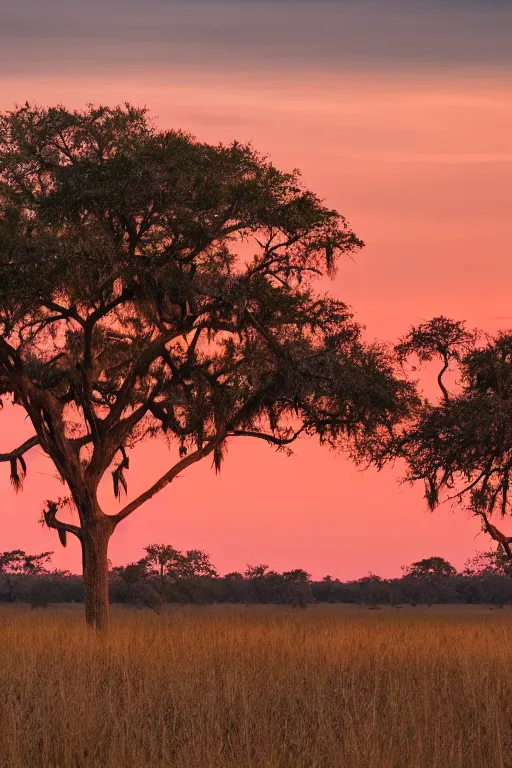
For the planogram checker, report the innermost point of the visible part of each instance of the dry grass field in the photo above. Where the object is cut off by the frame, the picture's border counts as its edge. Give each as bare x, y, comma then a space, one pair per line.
262, 687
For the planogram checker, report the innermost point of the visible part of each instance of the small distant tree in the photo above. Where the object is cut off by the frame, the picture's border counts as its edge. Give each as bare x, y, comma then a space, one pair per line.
371, 589
493, 562
432, 568
298, 588
163, 558
259, 583
131, 584
324, 591
16, 563
171, 562
131, 573
153, 285
297, 575
256, 571
428, 580
196, 564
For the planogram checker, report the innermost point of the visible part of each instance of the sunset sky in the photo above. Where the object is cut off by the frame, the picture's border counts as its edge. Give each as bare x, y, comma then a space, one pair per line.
399, 114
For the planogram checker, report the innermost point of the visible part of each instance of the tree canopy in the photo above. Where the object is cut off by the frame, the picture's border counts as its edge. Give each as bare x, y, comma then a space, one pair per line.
165, 560
461, 446
152, 284
430, 568
17, 561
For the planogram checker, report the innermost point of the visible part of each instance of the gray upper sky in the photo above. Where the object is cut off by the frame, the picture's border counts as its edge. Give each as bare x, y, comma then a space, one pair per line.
68, 36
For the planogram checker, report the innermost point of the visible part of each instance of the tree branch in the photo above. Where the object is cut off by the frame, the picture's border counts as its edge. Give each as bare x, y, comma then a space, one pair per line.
269, 438
87, 402
34, 440
26, 446
169, 476
85, 369
272, 343
66, 312
125, 295
50, 518
141, 367
192, 458
9, 357
115, 437
440, 378
503, 541
485, 473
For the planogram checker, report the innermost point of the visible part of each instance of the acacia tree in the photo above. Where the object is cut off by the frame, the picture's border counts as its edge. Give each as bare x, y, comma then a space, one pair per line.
431, 568
170, 562
153, 284
17, 563
494, 562
160, 557
461, 446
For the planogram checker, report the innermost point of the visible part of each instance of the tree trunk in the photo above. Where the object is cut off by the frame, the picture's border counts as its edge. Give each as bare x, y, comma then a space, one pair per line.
95, 540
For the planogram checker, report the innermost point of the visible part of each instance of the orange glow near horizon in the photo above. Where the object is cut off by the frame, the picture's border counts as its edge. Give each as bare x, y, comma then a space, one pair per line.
421, 166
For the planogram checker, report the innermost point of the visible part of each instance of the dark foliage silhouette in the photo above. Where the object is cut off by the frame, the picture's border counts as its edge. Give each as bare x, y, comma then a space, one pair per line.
151, 284
461, 446
484, 579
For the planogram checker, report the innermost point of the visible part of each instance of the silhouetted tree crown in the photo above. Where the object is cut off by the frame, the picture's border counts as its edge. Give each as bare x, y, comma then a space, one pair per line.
17, 561
430, 568
461, 446
152, 284
172, 563
485, 579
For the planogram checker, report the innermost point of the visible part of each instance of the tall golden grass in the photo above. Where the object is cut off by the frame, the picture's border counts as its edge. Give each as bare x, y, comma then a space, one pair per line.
230, 687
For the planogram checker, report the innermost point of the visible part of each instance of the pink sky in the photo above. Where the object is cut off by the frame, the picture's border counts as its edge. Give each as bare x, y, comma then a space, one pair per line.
421, 165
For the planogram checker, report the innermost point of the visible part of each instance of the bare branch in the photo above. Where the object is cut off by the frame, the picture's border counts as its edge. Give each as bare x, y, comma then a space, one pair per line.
440, 378
169, 476
503, 541
486, 473
85, 370
9, 357
268, 438
26, 446
50, 518
78, 442
101, 312
150, 354
65, 312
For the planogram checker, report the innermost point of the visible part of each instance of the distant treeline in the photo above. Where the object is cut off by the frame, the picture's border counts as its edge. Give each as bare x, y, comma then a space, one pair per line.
166, 575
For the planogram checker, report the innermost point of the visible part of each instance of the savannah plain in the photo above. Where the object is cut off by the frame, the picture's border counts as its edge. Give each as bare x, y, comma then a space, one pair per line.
400, 114
258, 687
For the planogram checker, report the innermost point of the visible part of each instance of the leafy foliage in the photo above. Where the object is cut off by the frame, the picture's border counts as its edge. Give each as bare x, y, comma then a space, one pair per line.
437, 338
152, 284
174, 564
462, 445
430, 568
493, 562
123, 300
484, 579
17, 561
